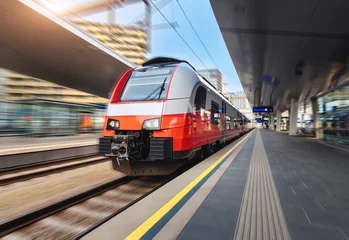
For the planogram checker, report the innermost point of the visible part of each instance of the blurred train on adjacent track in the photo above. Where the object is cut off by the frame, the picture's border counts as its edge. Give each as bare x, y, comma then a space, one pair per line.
164, 114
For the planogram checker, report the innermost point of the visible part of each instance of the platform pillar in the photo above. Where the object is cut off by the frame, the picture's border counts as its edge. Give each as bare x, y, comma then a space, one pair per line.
316, 123
278, 121
302, 120
293, 116
272, 126
302, 116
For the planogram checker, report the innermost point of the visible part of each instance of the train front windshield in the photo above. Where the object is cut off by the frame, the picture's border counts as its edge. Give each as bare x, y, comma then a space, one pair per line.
147, 84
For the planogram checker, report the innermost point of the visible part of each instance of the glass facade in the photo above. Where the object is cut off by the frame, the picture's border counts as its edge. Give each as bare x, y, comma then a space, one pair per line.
333, 110
285, 124
305, 119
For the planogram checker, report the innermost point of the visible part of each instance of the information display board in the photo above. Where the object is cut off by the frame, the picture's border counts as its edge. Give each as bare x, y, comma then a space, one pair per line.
263, 109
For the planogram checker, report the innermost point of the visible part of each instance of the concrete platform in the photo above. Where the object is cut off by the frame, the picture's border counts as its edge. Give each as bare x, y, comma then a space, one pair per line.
21, 151
266, 186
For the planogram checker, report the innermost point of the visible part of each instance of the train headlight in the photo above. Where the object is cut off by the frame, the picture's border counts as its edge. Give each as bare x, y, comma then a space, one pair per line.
152, 124
113, 124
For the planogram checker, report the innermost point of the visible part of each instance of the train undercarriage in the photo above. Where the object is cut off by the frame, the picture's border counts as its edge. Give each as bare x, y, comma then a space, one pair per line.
137, 153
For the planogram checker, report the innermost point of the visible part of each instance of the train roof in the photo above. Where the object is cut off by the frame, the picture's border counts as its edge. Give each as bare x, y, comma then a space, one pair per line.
165, 60
168, 60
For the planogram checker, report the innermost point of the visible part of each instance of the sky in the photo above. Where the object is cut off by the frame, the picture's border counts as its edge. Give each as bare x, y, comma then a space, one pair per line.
164, 39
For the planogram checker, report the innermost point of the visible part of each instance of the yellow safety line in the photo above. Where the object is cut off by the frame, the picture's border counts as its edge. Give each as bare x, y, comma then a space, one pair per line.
150, 222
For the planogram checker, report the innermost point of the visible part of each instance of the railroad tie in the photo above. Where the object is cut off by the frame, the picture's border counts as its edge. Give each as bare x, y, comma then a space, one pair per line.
260, 215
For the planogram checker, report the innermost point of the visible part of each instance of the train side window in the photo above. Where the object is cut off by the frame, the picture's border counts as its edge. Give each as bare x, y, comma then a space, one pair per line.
214, 113
200, 99
228, 123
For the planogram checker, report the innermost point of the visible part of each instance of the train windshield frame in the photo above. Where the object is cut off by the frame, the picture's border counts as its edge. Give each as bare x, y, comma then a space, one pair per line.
146, 84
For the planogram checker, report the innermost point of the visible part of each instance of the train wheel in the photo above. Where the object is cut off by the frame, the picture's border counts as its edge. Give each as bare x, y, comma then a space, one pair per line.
218, 146
211, 148
203, 152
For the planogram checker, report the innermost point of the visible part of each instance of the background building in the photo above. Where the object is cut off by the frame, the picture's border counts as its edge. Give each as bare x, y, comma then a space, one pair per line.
129, 42
225, 88
239, 100
214, 76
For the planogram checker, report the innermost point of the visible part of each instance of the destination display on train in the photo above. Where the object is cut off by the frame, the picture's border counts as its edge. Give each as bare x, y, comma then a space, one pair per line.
261, 109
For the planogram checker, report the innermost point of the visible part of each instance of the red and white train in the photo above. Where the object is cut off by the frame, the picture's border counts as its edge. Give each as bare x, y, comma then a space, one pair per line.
163, 114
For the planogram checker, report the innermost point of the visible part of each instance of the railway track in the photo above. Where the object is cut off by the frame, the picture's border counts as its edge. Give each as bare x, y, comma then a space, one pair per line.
10, 176
76, 215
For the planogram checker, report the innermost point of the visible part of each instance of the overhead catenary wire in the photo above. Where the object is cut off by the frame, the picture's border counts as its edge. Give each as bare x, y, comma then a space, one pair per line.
180, 36
197, 35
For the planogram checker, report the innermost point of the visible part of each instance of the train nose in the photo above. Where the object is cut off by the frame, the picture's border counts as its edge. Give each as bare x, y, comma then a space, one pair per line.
132, 116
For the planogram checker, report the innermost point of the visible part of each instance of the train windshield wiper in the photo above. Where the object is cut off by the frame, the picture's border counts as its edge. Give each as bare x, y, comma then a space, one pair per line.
162, 87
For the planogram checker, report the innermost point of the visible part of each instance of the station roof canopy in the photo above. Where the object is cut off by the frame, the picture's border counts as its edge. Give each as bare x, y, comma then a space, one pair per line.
36, 42
285, 49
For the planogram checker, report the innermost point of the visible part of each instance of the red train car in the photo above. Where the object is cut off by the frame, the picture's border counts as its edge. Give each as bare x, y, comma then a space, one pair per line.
162, 115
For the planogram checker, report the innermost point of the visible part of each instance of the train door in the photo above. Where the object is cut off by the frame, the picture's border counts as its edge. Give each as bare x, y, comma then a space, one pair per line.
224, 120
199, 123
243, 125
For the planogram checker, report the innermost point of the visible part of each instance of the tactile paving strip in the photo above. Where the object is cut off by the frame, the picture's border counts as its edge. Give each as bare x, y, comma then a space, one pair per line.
261, 215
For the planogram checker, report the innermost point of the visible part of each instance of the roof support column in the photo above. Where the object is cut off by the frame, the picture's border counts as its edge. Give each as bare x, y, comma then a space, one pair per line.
293, 116
316, 122
272, 124
302, 121
278, 121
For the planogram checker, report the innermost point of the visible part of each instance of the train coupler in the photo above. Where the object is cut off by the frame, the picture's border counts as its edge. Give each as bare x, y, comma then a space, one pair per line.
116, 146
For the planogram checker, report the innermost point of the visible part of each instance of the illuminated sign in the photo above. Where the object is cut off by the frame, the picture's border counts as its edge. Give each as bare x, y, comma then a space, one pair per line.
263, 109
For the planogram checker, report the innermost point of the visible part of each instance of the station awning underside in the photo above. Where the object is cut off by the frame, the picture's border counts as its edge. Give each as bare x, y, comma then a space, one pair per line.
285, 49
38, 43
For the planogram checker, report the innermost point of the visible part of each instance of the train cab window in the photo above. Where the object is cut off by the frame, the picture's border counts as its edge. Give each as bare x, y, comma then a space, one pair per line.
214, 113
147, 84
200, 99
